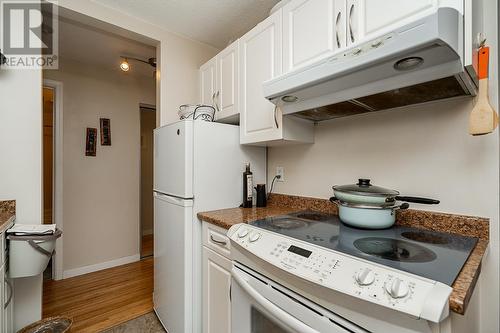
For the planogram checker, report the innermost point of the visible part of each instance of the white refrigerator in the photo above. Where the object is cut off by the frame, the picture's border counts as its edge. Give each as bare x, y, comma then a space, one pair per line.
198, 166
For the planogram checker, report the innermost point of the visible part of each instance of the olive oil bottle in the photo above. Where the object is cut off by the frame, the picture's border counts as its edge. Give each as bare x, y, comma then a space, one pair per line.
247, 187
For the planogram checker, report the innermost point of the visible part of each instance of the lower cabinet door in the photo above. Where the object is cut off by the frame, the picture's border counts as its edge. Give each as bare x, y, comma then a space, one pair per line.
216, 289
8, 306
3, 298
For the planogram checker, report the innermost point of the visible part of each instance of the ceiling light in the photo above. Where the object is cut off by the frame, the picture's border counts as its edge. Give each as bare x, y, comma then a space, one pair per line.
409, 63
124, 65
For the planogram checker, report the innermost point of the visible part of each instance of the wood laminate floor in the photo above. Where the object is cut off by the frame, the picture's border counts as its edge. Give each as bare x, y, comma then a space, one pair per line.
101, 300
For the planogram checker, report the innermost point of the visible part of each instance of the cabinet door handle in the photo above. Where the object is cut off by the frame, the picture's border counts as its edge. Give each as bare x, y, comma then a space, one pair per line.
337, 29
351, 32
217, 241
275, 117
7, 282
216, 98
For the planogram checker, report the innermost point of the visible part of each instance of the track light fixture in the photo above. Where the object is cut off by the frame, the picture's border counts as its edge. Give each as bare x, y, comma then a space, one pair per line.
125, 65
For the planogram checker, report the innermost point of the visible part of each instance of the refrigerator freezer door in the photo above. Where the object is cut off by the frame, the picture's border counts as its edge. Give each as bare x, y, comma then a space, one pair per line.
173, 276
173, 160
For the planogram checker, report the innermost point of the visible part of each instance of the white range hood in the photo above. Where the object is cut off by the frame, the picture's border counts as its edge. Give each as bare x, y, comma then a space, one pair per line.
416, 63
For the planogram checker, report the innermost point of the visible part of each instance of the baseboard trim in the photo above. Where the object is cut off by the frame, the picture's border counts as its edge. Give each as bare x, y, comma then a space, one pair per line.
100, 266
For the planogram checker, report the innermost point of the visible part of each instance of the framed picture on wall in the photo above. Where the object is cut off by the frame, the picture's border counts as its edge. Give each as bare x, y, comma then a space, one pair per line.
90, 142
105, 131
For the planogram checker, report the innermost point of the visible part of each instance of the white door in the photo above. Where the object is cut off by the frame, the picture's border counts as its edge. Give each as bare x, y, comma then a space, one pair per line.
259, 305
226, 95
371, 18
173, 262
173, 159
312, 30
216, 288
208, 82
260, 60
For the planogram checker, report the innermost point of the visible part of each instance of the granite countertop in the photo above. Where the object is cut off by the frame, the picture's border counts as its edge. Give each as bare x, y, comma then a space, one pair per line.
478, 227
7, 214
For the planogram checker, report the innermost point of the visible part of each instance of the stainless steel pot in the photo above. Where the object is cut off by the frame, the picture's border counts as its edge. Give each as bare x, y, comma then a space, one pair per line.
366, 193
367, 216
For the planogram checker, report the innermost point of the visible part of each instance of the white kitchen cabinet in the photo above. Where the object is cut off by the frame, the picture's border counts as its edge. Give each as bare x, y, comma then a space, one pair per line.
208, 88
3, 296
216, 289
261, 59
367, 19
6, 291
312, 30
7, 311
226, 94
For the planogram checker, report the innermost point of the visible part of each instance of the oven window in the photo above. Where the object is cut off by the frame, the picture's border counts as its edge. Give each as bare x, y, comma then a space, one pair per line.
262, 324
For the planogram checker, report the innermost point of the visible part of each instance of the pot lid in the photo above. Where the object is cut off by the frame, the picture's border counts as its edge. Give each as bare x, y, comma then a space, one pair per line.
364, 187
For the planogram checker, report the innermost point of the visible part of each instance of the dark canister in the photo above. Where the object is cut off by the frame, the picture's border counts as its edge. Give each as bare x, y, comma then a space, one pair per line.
261, 195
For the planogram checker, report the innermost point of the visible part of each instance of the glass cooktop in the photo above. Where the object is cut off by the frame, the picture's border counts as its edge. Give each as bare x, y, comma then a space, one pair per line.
435, 255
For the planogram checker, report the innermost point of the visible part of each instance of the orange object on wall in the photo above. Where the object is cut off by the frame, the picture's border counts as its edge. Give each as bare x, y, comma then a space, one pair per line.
484, 58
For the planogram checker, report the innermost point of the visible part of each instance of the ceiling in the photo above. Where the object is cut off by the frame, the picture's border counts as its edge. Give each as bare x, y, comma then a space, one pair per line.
215, 22
100, 48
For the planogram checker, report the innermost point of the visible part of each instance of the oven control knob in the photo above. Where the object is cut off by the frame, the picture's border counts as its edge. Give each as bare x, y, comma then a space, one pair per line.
365, 277
254, 236
243, 232
397, 288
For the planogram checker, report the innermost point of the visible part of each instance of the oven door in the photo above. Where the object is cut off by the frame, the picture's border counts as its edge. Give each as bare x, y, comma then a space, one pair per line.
259, 305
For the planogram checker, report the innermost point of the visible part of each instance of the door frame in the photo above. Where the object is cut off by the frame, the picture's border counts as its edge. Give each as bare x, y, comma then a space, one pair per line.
57, 174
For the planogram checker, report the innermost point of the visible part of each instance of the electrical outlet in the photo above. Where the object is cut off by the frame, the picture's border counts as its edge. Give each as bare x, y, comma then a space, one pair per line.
280, 171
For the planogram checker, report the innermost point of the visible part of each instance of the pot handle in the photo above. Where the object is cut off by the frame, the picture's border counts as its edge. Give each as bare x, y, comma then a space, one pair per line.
425, 201
334, 200
404, 206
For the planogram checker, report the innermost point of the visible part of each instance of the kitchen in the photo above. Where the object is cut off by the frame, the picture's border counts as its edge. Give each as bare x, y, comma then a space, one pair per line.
422, 150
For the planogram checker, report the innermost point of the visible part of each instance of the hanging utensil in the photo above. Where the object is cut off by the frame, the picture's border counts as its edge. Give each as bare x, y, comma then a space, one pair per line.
483, 118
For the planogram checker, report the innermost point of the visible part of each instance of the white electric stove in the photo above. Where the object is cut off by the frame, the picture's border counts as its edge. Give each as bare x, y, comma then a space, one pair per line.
284, 282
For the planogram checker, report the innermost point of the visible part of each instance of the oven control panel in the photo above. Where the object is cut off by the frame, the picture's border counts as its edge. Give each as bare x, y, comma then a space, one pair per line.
398, 290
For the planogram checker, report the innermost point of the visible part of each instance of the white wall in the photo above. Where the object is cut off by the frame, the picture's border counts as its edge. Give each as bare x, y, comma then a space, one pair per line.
101, 193
424, 151
21, 169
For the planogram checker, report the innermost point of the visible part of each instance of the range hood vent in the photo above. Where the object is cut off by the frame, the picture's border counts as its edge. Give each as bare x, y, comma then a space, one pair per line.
445, 88
421, 62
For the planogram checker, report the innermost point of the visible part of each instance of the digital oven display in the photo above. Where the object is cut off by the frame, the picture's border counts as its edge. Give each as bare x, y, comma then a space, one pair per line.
300, 251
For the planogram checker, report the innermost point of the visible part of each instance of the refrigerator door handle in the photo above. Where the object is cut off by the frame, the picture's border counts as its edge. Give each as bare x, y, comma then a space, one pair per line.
173, 200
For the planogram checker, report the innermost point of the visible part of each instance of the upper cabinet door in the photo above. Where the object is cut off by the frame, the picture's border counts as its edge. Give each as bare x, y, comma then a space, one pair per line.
208, 82
226, 95
312, 30
367, 19
260, 60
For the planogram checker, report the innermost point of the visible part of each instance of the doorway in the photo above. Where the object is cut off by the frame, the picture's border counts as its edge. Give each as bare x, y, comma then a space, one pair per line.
148, 124
51, 169
48, 163
48, 153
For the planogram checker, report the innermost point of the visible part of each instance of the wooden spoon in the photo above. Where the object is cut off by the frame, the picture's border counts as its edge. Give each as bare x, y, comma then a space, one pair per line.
483, 118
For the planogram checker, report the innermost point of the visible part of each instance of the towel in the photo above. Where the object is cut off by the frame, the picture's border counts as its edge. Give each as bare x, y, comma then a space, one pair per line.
32, 229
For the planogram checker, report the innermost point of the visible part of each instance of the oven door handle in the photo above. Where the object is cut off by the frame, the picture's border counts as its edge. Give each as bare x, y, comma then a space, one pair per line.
274, 310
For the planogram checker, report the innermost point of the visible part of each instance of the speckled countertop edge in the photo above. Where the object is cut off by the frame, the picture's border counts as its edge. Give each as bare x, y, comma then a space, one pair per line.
464, 285
7, 214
